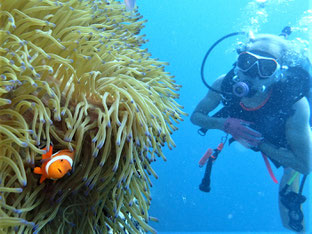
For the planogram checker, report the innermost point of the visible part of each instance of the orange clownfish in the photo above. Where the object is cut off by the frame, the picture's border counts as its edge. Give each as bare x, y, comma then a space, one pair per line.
55, 166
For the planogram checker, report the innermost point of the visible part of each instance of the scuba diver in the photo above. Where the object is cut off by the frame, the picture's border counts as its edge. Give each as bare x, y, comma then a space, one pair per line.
266, 109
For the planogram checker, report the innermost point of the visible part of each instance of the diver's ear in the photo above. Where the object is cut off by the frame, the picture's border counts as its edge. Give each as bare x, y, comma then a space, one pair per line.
280, 74
282, 70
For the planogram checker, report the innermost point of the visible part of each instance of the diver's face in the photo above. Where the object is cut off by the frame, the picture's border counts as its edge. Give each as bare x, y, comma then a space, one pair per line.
259, 64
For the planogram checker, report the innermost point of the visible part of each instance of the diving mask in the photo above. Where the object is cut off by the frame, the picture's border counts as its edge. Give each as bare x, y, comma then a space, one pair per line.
257, 66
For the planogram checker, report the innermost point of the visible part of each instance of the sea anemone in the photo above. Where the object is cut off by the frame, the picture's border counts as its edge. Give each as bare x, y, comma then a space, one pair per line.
74, 74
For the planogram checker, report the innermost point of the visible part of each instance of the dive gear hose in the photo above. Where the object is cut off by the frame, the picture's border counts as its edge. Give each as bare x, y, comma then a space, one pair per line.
207, 54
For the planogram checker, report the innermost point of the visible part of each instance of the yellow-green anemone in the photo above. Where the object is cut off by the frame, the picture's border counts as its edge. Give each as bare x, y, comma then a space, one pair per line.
73, 74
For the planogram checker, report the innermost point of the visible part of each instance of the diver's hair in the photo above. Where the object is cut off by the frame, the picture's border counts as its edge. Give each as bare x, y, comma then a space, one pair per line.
292, 54
274, 39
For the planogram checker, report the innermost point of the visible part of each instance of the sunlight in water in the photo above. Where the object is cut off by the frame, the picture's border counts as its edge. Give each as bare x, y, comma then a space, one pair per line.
304, 29
258, 12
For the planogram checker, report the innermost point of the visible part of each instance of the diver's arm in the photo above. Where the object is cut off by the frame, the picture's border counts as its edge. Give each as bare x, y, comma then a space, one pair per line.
207, 104
299, 138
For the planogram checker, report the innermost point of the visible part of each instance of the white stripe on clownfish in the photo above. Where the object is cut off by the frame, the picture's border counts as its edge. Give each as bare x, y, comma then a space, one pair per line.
59, 157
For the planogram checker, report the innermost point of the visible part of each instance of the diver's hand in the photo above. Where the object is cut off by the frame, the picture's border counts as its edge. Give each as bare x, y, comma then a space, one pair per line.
241, 132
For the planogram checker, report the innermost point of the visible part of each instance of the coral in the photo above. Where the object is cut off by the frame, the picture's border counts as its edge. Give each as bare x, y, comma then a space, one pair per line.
74, 74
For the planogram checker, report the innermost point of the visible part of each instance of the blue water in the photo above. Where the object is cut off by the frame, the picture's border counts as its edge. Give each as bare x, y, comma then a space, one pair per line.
243, 197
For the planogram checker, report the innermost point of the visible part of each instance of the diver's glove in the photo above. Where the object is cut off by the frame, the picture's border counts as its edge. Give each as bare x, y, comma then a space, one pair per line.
241, 132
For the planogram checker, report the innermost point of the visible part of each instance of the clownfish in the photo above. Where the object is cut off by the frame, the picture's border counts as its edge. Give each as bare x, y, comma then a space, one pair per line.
55, 166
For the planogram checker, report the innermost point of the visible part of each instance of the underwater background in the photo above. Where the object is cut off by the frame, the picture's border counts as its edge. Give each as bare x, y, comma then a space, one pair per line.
243, 198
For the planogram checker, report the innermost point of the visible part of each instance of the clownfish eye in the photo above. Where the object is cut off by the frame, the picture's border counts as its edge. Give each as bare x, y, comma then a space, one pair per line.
61, 160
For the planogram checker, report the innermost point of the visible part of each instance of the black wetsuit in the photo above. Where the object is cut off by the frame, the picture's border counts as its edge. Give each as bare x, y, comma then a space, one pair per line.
270, 119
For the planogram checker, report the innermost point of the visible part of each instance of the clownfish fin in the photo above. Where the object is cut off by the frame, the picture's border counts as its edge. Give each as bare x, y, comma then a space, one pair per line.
37, 170
49, 153
42, 179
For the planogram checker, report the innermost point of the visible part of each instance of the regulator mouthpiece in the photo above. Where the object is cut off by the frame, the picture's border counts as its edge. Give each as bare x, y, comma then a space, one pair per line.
241, 89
